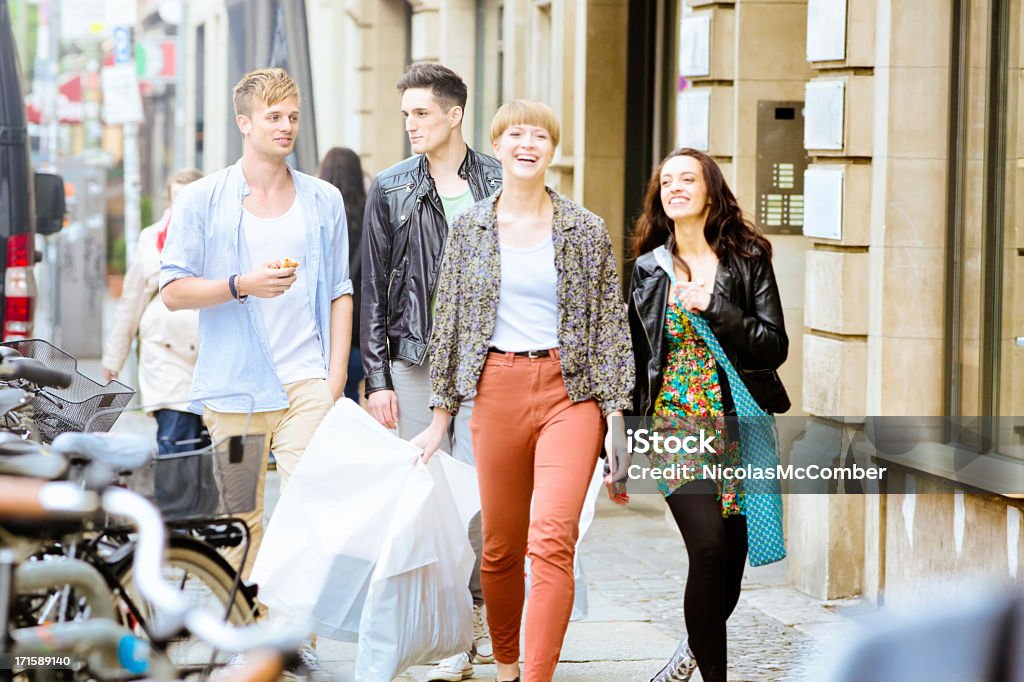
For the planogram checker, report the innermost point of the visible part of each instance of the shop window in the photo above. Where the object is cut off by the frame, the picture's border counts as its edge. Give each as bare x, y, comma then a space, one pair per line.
983, 367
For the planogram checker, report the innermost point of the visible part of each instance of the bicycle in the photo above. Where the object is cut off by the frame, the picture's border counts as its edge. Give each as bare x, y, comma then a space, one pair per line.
193, 561
101, 640
110, 547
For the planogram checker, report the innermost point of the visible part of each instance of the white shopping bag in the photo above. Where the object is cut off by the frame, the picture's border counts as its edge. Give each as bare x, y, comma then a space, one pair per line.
372, 546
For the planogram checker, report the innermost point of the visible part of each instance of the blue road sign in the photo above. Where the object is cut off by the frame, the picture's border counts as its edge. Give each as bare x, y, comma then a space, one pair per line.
122, 45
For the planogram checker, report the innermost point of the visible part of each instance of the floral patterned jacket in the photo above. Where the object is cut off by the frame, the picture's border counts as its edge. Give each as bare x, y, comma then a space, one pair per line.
593, 334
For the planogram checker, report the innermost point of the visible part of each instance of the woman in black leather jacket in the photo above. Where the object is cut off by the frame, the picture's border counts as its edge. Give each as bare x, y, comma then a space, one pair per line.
698, 256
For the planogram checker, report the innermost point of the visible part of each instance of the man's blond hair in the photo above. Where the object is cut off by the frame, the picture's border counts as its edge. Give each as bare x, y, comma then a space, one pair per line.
267, 86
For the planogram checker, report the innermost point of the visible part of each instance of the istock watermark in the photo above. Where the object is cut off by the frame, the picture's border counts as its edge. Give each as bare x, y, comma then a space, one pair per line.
788, 472
645, 441
837, 455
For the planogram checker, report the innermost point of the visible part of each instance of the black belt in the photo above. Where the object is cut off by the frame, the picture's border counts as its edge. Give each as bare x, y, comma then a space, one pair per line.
524, 353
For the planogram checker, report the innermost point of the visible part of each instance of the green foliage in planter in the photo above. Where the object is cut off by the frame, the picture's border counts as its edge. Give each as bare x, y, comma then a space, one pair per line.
117, 262
146, 209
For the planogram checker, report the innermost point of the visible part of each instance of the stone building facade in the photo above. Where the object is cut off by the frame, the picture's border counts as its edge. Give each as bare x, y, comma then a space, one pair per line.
878, 143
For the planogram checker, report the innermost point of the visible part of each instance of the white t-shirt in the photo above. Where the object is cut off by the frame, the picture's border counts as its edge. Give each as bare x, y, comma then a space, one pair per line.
295, 348
527, 299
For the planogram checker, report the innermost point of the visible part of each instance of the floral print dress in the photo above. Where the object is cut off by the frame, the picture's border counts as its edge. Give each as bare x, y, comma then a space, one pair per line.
691, 400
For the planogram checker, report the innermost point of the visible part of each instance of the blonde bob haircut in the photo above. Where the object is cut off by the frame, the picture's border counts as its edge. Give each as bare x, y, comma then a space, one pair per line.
525, 112
268, 86
182, 177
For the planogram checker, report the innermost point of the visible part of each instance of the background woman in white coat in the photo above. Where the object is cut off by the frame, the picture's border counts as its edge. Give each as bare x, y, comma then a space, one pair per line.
168, 345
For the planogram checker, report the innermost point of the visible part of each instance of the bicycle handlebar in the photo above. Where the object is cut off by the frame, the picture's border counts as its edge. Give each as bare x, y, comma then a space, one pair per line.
27, 499
35, 372
169, 603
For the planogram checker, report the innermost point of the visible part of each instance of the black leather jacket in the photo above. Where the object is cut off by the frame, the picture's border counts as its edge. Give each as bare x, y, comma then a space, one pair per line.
745, 314
404, 232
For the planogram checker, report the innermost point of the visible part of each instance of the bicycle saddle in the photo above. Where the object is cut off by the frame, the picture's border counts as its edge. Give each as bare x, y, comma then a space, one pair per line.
28, 458
119, 451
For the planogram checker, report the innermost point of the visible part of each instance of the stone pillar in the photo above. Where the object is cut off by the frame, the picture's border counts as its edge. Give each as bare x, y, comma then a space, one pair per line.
600, 133
383, 34
908, 209
771, 66
838, 138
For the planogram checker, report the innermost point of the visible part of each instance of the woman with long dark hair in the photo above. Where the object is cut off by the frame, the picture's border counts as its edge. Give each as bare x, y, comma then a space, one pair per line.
341, 167
708, 334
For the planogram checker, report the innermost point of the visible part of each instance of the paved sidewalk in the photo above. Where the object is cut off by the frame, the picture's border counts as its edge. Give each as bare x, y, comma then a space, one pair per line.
635, 564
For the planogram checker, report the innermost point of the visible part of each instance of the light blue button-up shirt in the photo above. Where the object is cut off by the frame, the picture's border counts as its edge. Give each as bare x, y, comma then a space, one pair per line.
205, 240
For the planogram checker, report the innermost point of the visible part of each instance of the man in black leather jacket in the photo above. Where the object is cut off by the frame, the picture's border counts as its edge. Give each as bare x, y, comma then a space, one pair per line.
408, 212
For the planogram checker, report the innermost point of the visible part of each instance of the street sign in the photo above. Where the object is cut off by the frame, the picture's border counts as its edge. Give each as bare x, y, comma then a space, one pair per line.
155, 59
122, 45
122, 102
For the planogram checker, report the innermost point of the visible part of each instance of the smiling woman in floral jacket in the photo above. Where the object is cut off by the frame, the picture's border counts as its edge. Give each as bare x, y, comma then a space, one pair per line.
530, 320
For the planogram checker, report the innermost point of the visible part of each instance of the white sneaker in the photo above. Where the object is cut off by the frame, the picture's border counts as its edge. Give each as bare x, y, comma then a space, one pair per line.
483, 649
453, 669
307, 667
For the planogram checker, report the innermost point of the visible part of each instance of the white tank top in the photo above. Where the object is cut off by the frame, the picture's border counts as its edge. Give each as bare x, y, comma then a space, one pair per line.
295, 349
527, 299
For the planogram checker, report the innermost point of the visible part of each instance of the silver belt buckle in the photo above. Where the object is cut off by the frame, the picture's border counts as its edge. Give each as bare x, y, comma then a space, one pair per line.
534, 354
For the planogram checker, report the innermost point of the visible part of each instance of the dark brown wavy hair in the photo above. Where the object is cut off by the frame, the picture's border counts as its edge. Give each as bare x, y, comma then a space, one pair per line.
726, 230
341, 167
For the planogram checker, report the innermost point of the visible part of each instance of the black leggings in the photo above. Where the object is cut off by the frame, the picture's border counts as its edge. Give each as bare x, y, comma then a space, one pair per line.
717, 550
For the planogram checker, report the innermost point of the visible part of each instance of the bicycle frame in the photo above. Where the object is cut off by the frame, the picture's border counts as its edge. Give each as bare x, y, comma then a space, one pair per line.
104, 643
87, 580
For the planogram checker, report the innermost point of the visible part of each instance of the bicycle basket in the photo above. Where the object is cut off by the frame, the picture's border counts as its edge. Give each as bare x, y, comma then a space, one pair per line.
218, 480
58, 410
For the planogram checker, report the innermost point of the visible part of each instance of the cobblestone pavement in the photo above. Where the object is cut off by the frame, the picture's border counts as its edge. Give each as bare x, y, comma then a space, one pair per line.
636, 557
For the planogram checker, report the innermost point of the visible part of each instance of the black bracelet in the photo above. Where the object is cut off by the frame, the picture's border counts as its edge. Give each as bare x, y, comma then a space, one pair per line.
233, 287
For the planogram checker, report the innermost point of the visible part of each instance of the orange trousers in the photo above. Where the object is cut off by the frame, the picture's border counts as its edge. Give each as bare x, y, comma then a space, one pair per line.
533, 444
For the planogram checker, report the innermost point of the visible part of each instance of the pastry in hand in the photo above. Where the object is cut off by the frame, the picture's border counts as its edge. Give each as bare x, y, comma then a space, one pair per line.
289, 263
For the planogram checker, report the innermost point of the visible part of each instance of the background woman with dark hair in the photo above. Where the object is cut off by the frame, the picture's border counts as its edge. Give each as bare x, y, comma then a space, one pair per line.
341, 167
168, 341
708, 335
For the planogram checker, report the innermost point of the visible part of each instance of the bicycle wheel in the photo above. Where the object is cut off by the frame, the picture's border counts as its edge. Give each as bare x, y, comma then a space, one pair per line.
206, 579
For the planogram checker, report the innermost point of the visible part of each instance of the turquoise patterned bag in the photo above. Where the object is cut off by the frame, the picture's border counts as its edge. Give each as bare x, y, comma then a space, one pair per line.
759, 447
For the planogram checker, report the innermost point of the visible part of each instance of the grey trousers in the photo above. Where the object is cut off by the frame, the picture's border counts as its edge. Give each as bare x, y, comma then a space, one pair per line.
412, 386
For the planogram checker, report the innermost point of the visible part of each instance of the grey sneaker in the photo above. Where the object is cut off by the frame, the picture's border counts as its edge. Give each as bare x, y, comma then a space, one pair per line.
680, 667
453, 669
483, 649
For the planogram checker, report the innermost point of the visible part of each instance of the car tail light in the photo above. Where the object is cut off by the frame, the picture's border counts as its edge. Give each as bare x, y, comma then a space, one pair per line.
19, 288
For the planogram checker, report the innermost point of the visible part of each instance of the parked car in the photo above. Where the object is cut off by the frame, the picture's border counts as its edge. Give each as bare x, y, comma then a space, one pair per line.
30, 203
